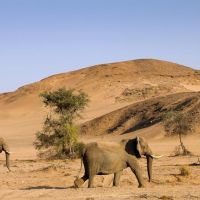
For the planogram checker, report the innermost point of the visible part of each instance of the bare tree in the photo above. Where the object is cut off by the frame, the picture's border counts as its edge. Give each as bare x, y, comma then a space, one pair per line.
177, 123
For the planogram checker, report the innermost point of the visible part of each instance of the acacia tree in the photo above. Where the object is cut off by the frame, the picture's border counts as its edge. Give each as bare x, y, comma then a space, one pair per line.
60, 134
177, 124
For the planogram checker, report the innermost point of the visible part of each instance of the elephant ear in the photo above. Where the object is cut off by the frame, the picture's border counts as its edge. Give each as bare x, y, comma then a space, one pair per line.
138, 147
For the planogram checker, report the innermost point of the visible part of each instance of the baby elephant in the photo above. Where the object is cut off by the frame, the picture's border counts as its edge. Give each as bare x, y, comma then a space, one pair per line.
4, 147
108, 158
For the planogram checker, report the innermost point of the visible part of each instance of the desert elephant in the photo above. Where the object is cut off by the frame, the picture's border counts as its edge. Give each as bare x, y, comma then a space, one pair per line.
4, 147
108, 158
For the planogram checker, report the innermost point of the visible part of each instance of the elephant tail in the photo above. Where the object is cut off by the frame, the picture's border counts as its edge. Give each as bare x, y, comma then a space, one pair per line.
83, 150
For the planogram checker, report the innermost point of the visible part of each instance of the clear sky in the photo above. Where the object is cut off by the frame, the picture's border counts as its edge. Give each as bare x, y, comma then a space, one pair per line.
39, 38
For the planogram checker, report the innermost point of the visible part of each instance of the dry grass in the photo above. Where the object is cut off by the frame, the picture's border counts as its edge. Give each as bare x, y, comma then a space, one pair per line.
184, 171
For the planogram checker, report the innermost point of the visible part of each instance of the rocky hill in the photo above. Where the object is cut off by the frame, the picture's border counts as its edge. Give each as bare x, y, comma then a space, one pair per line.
144, 114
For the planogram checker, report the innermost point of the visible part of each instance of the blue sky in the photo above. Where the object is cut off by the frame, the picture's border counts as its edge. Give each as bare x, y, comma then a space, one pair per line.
39, 38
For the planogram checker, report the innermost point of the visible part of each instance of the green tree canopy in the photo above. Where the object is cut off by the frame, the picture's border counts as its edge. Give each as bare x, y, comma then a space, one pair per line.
60, 134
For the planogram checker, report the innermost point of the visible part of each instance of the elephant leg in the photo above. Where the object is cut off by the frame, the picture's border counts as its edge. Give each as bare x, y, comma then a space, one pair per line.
93, 170
133, 164
79, 182
91, 181
117, 176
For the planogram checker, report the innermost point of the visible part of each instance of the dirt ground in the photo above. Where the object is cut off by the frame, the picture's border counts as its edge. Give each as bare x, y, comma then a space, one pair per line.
39, 179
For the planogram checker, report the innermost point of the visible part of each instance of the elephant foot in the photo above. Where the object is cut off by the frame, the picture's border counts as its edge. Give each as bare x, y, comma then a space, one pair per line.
78, 182
116, 186
91, 186
141, 186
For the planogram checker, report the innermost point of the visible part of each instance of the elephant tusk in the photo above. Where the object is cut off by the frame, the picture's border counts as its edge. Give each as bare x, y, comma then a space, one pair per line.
156, 156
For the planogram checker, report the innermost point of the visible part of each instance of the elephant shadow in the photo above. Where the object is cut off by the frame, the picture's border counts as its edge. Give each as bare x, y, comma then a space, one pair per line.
47, 188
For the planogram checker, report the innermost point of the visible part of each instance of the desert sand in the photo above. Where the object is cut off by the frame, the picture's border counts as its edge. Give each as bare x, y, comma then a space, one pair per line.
112, 89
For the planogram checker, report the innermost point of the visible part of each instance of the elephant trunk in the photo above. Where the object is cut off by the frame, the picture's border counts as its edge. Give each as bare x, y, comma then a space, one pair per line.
7, 153
149, 166
8, 160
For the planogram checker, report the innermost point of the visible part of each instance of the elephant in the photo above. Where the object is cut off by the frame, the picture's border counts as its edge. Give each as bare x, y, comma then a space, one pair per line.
4, 147
108, 158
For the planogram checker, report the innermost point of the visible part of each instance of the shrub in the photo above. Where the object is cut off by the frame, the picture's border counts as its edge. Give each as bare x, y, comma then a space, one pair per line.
184, 171
79, 148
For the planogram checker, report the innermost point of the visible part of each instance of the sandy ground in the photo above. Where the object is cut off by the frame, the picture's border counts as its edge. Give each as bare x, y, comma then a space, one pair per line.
39, 179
